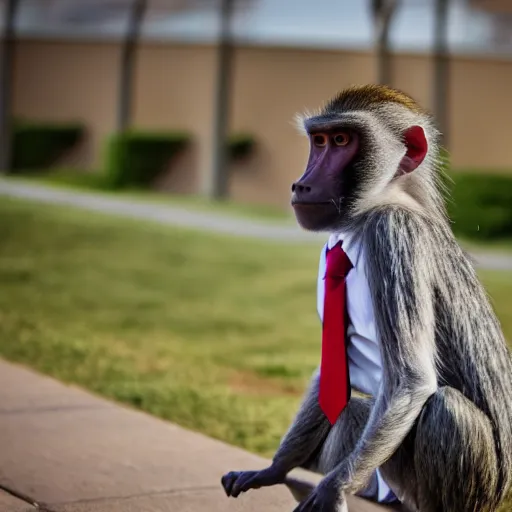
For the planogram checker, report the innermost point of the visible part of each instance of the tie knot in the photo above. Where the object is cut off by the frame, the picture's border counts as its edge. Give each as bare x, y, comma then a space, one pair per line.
338, 263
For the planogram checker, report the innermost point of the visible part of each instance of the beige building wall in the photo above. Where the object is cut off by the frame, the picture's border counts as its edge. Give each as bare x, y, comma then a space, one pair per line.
174, 90
61, 81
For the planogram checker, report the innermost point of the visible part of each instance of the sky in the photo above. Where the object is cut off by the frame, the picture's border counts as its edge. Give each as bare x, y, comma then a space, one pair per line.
318, 23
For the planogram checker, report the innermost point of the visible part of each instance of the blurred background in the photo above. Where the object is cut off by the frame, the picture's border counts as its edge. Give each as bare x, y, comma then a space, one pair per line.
117, 113
224, 80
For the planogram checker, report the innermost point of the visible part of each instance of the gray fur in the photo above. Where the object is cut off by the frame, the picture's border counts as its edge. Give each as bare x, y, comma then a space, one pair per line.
435, 320
440, 427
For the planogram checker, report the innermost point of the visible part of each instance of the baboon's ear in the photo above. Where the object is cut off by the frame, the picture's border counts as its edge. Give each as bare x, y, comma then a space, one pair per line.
417, 147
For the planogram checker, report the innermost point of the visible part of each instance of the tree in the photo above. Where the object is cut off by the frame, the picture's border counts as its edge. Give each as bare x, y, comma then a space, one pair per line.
223, 88
383, 12
127, 65
222, 103
441, 82
6, 65
91, 12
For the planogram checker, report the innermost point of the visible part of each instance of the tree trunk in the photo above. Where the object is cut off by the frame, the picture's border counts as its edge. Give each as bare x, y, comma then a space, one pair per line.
383, 11
222, 104
6, 67
128, 53
441, 69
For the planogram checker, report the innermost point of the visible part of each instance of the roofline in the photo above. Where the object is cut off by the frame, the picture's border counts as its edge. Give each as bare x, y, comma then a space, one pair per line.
255, 44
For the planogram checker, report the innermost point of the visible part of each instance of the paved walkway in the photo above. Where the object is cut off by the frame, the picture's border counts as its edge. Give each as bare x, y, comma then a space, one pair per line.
65, 450
179, 216
162, 213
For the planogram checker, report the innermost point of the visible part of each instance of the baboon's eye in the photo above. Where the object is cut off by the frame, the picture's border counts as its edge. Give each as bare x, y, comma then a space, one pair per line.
320, 140
341, 139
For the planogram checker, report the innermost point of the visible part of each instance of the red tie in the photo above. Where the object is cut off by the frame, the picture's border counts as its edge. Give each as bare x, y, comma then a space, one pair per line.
334, 391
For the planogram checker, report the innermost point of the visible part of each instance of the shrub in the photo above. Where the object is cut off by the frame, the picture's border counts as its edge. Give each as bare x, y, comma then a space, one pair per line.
135, 159
38, 145
481, 205
240, 146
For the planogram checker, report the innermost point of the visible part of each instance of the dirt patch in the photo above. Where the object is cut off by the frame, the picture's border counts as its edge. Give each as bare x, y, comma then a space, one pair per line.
251, 383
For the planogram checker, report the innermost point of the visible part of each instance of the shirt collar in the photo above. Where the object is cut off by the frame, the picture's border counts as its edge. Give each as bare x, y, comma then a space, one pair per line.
351, 247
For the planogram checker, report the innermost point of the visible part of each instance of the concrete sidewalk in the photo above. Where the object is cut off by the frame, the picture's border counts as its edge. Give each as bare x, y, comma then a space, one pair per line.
158, 212
180, 216
65, 450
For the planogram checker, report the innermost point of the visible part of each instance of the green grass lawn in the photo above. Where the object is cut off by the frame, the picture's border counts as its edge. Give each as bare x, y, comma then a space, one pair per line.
95, 182
217, 334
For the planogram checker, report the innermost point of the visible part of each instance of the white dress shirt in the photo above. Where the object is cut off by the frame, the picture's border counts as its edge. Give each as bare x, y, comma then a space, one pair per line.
364, 358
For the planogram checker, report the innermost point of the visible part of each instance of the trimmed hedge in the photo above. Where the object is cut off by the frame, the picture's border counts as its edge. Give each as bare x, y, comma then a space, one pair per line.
480, 205
37, 146
135, 159
240, 146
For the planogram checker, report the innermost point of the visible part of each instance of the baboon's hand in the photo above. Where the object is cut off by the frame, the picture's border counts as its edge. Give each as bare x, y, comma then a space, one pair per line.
236, 482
